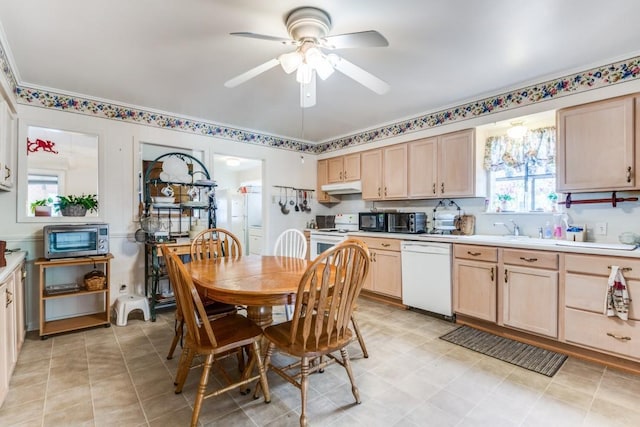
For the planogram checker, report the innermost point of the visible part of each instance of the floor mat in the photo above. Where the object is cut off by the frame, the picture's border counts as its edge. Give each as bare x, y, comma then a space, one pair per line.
527, 356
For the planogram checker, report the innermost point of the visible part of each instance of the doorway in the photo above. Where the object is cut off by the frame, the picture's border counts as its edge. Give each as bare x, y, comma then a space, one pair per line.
239, 199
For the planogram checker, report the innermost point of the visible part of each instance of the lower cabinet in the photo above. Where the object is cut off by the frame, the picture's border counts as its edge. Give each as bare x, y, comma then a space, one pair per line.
585, 323
385, 268
530, 291
474, 281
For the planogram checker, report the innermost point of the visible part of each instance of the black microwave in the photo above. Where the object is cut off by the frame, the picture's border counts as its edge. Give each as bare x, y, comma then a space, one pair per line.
75, 240
372, 221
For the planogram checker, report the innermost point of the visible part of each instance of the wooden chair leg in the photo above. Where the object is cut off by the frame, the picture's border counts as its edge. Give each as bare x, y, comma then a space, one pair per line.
356, 329
183, 368
347, 366
202, 388
179, 330
267, 361
304, 383
263, 373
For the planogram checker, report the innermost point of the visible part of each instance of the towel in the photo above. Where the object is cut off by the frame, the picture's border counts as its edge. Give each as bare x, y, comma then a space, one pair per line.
617, 299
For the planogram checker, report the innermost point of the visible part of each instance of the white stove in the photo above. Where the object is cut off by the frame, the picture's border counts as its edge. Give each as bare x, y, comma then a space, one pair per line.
325, 238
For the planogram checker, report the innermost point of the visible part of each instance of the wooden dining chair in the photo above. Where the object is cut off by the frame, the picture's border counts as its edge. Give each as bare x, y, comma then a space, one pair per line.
215, 243
290, 243
325, 300
213, 308
217, 339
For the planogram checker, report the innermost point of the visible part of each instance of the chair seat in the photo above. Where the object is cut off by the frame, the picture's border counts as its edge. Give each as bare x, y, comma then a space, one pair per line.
279, 334
230, 332
215, 308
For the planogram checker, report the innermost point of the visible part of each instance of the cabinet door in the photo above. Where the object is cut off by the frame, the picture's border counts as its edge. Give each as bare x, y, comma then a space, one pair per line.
351, 167
388, 274
335, 167
4, 348
456, 167
530, 300
475, 289
371, 175
596, 146
323, 196
422, 164
395, 171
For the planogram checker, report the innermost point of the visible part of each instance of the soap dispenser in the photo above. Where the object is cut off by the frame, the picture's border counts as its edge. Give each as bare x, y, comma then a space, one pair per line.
548, 230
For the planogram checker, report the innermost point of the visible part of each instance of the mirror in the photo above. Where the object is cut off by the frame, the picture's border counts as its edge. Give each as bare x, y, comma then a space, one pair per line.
56, 162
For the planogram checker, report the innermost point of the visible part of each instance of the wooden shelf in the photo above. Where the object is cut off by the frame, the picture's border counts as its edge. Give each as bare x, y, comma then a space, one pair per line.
73, 294
74, 323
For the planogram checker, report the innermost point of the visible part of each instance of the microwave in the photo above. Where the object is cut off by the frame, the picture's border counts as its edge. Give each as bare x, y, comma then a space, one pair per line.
372, 221
407, 222
71, 240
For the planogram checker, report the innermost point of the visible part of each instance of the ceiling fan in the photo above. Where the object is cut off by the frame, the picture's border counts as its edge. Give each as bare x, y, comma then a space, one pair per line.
308, 28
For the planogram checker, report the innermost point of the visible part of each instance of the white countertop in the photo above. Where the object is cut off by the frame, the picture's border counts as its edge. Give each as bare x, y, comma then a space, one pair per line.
13, 260
520, 242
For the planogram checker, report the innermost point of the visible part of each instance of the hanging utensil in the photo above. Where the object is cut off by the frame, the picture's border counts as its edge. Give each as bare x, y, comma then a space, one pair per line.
280, 199
290, 201
297, 207
307, 208
283, 206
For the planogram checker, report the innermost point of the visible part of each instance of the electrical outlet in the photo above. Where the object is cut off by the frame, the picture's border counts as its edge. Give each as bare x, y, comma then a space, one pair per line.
601, 228
123, 288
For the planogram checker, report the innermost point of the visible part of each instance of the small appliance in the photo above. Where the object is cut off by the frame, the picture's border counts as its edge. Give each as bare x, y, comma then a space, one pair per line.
325, 221
407, 222
325, 238
372, 221
75, 240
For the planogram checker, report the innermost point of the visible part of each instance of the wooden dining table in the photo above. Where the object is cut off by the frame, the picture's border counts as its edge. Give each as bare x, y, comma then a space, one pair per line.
259, 282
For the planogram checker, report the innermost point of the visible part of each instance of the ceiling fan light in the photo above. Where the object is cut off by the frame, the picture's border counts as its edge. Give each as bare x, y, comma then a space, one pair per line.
304, 74
517, 130
324, 69
290, 61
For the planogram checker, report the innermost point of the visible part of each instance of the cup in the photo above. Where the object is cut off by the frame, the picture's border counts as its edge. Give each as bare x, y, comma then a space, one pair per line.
193, 193
167, 191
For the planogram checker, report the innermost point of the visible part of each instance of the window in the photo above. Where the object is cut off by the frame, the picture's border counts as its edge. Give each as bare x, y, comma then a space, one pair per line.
522, 172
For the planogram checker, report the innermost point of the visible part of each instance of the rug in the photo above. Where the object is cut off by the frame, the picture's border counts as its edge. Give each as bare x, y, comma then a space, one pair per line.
526, 356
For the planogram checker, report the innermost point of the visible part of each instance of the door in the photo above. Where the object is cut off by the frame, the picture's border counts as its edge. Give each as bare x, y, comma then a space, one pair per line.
456, 171
423, 168
388, 273
395, 172
475, 289
371, 174
335, 167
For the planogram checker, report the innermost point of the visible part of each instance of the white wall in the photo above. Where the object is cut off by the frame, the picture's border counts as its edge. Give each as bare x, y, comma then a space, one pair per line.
119, 201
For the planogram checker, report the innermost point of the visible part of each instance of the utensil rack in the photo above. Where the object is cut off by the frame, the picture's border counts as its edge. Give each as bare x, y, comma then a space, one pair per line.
293, 188
614, 200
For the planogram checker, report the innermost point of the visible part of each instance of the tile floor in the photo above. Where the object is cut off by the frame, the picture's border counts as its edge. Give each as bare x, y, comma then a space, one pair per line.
120, 376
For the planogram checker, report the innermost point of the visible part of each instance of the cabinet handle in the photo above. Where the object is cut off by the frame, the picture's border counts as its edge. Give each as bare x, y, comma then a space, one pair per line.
506, 277
442, 188
619, 337
434, 188
529, 259
374, 257
474, 253
385, 245
8, 175
492, 275
9, 298
341, 175
621, 268
385, 191
378, 191
628, 173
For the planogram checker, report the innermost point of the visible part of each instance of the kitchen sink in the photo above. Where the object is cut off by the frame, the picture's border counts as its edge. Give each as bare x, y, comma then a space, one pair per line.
509, 238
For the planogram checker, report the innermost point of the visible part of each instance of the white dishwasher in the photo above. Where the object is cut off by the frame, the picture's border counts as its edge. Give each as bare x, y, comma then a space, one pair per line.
426, 276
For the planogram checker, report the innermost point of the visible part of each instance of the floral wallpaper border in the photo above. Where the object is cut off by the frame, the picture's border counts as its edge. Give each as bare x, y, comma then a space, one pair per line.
605, 75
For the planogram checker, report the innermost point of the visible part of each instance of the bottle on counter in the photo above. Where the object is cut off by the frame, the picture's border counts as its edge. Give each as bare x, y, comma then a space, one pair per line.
548, 231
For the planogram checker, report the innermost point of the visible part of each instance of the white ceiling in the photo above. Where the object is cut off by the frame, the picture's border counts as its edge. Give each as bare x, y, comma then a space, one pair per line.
175, 55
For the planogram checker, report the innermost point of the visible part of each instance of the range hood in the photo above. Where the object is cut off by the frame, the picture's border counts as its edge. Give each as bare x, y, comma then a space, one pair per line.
351, 187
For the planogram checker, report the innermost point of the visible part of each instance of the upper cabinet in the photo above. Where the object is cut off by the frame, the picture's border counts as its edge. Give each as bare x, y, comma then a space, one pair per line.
596, 146
343, 168
323, 171
384, 173
443, 166
8, 135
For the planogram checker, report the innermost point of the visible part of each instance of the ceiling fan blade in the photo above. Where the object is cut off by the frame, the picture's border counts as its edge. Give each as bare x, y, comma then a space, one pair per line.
363, 77
369, 38
251, 73
264, 37
308, 92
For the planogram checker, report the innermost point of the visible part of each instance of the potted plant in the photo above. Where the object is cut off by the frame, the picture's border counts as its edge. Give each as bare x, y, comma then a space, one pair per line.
42, 207
504, 200
553, 198
77, 205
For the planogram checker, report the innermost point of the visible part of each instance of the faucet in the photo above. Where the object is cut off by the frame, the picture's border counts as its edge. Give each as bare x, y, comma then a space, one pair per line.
516, 228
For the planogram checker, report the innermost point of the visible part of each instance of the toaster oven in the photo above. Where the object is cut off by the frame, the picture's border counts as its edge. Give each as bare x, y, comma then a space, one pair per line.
72, 241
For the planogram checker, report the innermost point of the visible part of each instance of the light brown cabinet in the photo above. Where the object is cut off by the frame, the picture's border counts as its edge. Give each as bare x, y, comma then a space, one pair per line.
344, 168
529, 288
474, 281
323, 173
597, 146
384, 173
585, 323
442, 166
8, 141
385, 276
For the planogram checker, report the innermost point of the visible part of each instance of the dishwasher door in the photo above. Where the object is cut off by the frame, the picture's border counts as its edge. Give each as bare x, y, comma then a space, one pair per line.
426, 276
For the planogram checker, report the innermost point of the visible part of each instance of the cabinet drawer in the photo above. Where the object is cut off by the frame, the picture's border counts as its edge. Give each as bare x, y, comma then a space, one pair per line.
383, 244
593, 264
480, 253
588, 293
537, 259
178, 249
591, 329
